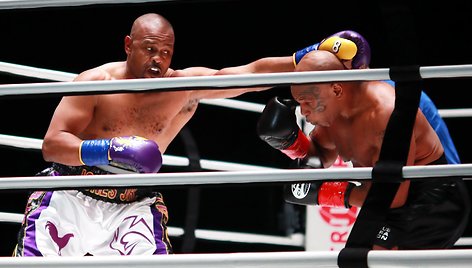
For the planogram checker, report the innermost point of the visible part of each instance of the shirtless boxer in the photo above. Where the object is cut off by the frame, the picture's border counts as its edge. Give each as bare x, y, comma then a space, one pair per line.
361, 60
98, 133
350, 119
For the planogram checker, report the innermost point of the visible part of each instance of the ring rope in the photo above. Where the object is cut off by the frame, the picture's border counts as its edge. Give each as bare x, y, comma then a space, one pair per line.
385, 259
225, 177
19, 4
375, 258
170, 160
53, 75
449, 113
293, 240
258, 109
224, 81
296, 240
35, 72
228, 103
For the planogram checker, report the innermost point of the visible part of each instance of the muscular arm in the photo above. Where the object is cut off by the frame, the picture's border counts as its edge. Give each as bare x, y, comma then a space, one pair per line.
264, 65
71, 117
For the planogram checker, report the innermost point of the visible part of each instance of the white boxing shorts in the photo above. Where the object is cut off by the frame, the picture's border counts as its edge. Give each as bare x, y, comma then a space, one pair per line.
69, 223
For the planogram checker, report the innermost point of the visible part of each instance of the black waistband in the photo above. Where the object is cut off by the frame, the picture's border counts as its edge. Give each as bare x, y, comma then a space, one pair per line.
440, 161
79, 170
112, 195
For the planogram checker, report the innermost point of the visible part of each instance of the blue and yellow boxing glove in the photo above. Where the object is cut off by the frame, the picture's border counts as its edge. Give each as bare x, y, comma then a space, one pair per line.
131, 152
346, 45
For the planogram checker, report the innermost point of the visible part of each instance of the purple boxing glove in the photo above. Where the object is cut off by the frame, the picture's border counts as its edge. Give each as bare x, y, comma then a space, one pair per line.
362, 58
131, 152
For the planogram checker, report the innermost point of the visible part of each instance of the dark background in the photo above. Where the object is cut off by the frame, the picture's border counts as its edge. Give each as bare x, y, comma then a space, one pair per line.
218, 34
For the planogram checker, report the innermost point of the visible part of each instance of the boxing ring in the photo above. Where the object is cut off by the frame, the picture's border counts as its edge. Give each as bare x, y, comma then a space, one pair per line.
230, 172
234, 173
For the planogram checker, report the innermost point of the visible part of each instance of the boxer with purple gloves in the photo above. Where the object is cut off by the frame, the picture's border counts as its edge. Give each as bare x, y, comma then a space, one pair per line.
101, 134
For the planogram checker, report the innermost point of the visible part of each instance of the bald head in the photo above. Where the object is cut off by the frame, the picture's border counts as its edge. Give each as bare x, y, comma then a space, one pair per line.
319, 60
150, 24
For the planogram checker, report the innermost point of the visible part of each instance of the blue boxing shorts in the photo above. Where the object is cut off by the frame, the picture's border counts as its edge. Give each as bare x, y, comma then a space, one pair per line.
92, 221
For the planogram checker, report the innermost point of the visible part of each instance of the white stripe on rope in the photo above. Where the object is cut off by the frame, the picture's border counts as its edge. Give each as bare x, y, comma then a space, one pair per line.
455, 113
11, 217
375, 259
53, 75
296, 240
42, 73
235, 104
171, 160
223, 177
228, 103
17, 4
222, 81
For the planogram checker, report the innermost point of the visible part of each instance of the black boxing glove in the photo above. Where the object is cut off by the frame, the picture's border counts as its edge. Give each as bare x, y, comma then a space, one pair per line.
278, 127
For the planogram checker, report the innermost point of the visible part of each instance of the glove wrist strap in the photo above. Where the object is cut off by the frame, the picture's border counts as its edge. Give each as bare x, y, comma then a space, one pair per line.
334, 194
94, 152
299, 148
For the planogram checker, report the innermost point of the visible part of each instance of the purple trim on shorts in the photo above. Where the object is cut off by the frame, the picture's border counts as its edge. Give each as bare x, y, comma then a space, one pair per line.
30, 248
159, 235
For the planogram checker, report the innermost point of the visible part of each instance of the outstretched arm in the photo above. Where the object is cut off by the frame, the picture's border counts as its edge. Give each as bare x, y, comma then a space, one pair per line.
263, 65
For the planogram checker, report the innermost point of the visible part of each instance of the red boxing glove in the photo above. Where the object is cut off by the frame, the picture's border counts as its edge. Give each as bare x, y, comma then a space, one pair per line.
334, 194
326, 194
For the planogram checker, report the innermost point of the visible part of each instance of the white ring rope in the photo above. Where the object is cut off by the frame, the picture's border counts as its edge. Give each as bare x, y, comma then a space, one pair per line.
375, 259
35, 144
53, 75
425, 258
224, 81
296, 240
202, 234
225, 177
293, 240
34, 72
449, 113
18, 4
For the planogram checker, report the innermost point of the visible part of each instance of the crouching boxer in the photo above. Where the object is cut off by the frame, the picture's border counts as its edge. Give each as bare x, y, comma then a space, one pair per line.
353, 50
350, 119
113, 221
278, 127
